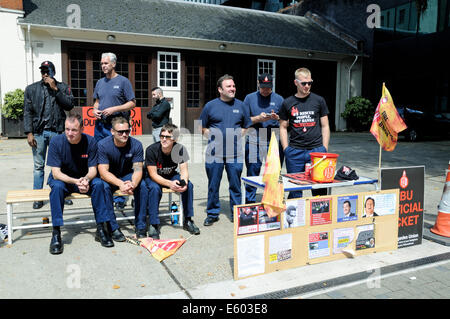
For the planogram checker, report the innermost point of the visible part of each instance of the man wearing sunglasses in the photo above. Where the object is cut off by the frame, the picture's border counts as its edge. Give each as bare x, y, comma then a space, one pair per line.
120, 162
163, 159
44, 105
305, 115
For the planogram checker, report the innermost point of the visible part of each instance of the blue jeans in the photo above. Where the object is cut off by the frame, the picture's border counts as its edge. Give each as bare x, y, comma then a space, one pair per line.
59, 190
154, 191
296, 159
155, 134
254, 154
39, 155
214, 172
101, 130
139, 206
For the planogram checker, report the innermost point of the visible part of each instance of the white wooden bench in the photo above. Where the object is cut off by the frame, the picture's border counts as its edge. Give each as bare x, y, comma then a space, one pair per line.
24, 196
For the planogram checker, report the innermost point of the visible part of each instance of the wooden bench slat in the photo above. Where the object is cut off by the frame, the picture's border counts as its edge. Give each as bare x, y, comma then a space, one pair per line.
35, 195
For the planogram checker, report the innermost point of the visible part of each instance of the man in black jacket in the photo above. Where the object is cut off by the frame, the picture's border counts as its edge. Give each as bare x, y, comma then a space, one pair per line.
44, 105
159, 114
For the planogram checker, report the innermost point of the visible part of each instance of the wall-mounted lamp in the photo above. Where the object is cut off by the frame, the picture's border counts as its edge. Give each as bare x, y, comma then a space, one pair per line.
111, 38
310, 55
222, 46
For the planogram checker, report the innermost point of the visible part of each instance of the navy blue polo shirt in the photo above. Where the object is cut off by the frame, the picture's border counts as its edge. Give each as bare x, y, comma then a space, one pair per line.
120, 159
225, 121
113, 92
73, 159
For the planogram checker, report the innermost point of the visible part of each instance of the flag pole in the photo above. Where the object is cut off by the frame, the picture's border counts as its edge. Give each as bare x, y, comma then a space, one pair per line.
379, 169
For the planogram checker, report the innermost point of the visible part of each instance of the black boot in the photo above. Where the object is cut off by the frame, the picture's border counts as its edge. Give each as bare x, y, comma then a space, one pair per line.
56, 244
103, 236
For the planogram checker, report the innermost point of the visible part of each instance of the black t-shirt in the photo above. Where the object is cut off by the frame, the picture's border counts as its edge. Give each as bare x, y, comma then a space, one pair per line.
166, 165
73, 159
304, 116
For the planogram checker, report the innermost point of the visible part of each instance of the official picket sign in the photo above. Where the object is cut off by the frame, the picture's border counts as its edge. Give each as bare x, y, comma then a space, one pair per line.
89, 121
410, 181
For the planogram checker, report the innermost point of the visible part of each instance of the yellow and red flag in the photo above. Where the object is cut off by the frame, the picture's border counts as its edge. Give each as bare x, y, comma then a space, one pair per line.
386, 123
273, 197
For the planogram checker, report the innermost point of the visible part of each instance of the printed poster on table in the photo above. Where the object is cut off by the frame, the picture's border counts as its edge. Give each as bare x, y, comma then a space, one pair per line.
294, 216
347, 208
342, 237
410, 181
365, 237
379, 205
320, 211
254, 218
280, 248
318, 245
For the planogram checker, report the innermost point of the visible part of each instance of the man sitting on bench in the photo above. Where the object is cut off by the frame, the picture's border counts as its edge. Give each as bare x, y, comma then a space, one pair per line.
162, 160
73, 160
120, 162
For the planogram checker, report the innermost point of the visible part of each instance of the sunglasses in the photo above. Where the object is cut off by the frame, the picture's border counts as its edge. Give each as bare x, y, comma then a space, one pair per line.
305, 83
121, 132
165, 137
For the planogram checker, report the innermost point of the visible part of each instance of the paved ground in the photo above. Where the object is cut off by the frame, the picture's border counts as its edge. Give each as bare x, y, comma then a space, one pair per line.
203, 267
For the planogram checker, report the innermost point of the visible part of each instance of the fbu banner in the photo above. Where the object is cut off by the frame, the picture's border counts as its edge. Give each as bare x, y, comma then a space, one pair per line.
89, 121
410, 181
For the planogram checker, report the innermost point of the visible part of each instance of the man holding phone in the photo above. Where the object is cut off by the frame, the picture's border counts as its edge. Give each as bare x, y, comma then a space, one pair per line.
44, 104
162, 160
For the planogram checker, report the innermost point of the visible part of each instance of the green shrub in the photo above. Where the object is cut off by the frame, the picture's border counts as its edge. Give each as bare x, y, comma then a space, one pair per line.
358, 113
13, 105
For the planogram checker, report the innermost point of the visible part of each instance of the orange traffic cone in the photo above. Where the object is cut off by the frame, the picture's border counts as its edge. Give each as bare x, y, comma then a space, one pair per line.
442, 225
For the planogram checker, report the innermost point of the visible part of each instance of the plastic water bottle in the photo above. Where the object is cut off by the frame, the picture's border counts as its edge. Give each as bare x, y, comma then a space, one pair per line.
174, 209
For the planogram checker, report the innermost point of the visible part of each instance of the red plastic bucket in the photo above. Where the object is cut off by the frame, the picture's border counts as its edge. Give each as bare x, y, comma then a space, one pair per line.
323, 167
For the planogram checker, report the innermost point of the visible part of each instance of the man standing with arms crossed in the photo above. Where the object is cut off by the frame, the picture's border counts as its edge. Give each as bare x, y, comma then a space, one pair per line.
114, 97
224, 121
306, 116
262, 106
73, 159
44, 105
120, 162
159, 114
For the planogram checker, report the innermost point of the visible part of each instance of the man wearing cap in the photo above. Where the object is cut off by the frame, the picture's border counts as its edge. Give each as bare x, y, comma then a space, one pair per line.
305, 114
44, 104
262, 106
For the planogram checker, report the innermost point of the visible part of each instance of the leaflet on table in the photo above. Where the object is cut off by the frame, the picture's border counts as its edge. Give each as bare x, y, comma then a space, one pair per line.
250, 253
294, 216
318, 245
280, 248
320, 211
254, 218
342, 238
365, 236
302, 179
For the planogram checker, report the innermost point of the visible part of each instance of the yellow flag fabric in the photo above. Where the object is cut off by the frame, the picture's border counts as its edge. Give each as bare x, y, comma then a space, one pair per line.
273, 197
161, 249
387, 123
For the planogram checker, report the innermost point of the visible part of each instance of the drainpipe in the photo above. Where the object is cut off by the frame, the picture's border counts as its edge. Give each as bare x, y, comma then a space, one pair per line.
30, 46
349, 75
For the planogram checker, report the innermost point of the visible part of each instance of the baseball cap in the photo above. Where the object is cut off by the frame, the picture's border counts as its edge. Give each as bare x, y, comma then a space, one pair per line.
265, 80
47, 65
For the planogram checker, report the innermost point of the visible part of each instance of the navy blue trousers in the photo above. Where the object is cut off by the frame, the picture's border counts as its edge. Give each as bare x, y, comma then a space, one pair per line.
154, 198
59, 190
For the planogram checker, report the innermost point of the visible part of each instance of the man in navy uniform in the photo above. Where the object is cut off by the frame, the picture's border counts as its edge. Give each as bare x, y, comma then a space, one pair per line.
73, 160
120, 162
224, 121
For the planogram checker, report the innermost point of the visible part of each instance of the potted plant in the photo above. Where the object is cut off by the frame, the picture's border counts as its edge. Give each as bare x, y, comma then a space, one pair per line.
12, 114
358, 114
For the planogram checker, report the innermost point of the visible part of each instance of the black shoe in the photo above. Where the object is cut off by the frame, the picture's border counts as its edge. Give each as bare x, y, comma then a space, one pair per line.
68, 202
117, 235
102, 235
141, 233
37, 205
191, 227
153, 231
119, 205
56, 244
210, 220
